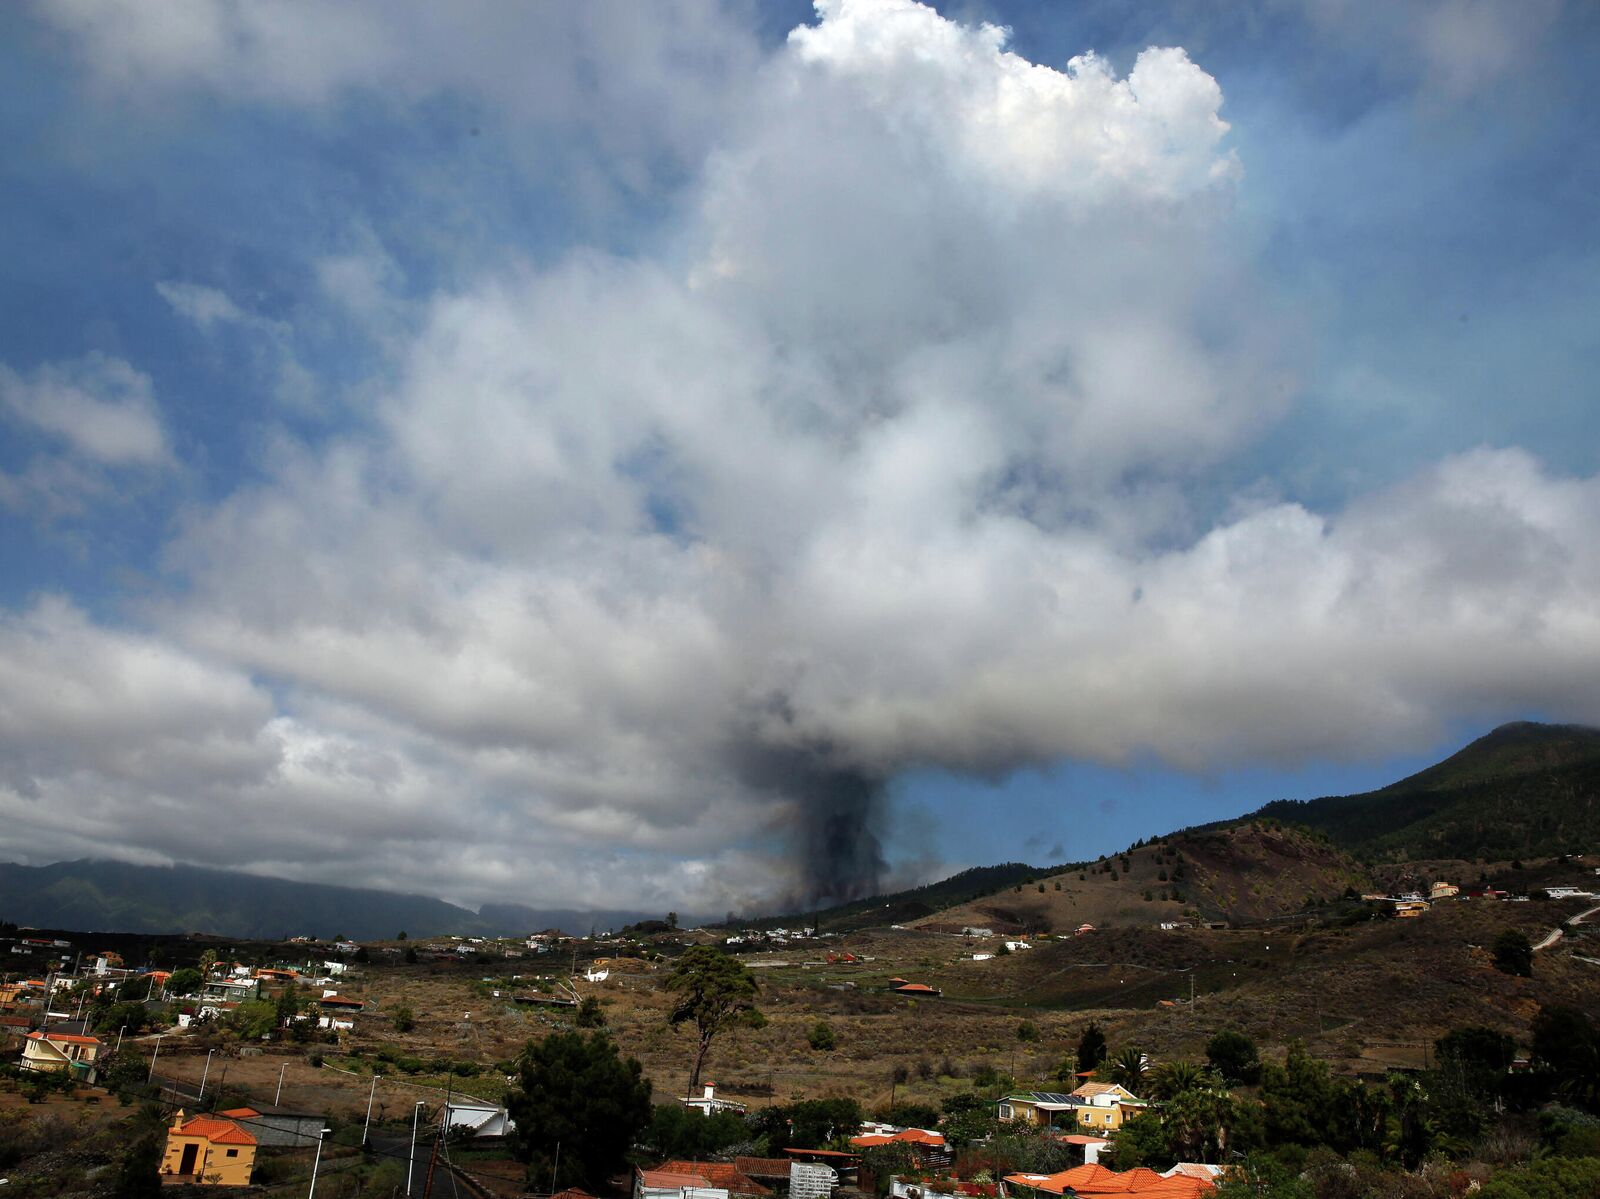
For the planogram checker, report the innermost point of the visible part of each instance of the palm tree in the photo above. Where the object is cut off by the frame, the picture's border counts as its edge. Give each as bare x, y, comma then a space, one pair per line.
1172, 1079
1128, 1069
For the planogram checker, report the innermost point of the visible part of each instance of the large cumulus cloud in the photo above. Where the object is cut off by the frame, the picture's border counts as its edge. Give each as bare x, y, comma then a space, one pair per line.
910, 446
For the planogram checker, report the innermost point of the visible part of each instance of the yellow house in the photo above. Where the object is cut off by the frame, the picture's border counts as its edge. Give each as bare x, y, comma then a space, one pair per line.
56, 1052
1104, 1106
1040, 1108
209, 1151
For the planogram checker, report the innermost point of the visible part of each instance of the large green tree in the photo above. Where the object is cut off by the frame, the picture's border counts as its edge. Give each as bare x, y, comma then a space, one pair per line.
578, 1107
1091, 1048
1234, 1055
1513, 953
714, 989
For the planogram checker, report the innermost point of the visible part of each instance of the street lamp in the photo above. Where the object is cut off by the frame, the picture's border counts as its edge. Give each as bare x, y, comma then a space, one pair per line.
366, 1128
120, 1031
411, 1161
317, 1161
153, 1057
203, 1074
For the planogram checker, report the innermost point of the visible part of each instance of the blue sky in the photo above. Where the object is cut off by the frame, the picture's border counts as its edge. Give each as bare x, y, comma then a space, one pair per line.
543, 421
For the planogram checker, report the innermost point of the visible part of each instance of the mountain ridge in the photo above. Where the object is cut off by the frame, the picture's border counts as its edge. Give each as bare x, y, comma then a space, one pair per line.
109, 896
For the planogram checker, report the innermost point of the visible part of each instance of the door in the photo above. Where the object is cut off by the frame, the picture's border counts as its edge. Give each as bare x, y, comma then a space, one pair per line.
190, 1152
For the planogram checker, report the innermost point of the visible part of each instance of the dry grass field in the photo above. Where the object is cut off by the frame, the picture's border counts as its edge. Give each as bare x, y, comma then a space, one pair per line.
1367, 996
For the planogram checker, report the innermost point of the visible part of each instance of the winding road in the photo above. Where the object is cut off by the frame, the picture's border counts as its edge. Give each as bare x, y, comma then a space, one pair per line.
1555, 934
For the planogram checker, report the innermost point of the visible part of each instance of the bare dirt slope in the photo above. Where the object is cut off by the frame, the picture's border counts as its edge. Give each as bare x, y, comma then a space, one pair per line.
1249, 872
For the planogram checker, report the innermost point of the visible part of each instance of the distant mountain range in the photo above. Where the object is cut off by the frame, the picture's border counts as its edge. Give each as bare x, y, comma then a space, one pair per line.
1524, 790
95, 896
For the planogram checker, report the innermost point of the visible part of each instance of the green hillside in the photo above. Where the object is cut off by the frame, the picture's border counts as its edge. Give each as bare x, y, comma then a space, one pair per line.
1523, 790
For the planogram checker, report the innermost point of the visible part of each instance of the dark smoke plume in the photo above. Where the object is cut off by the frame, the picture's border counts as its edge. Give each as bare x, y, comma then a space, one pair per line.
838, 814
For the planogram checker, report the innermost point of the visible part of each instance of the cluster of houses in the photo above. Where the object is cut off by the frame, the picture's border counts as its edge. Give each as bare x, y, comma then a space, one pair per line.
769, 936
1080, 1118
1411, 904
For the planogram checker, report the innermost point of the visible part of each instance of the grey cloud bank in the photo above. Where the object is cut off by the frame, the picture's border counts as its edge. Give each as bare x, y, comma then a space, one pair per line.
641, 576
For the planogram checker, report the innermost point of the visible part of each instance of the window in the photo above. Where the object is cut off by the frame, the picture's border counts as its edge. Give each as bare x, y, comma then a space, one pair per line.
233, 1153
1005, 1111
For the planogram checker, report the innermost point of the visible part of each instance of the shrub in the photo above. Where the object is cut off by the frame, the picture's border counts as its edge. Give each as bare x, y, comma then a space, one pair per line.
1513, 954
821, 1036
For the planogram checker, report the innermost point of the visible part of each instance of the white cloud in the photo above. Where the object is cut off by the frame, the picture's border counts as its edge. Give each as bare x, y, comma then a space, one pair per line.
100, 407
896, 456
636, 84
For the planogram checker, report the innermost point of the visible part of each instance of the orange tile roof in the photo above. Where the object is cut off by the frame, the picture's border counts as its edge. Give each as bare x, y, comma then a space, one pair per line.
773, 1167
906, 1136
726, 1175
68, 1038
240, 1113
919, 988
666, 1180
218, 1132
1094, 1180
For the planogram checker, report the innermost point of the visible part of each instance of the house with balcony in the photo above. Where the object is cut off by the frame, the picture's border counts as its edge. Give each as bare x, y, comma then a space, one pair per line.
63, 1053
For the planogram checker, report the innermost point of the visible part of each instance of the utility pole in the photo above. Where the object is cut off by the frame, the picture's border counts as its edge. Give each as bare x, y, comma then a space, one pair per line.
366, 1128
433, 1163
411, 1161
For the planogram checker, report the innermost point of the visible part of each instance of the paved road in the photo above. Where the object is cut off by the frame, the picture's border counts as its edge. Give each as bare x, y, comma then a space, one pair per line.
1582, 916
1555, 934
444, 1183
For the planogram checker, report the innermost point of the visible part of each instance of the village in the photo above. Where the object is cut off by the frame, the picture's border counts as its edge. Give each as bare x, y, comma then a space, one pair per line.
347, 1067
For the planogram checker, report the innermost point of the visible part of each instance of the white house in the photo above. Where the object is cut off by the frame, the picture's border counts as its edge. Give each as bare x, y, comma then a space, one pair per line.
484, 1119
708, 1103
62, 1053
663, 1184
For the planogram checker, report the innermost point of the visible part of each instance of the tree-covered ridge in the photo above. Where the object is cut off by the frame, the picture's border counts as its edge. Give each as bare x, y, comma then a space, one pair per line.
1524, 790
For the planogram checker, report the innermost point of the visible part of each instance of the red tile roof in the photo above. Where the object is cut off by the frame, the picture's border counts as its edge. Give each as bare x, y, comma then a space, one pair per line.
218, 1132
726, 1175
916, 988
66, 1038
667, 1181
906, 1136
763, 1167
1138, 1183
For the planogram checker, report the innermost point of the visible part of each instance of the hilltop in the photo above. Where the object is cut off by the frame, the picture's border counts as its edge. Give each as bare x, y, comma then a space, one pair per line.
1248, 872
1523, 790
